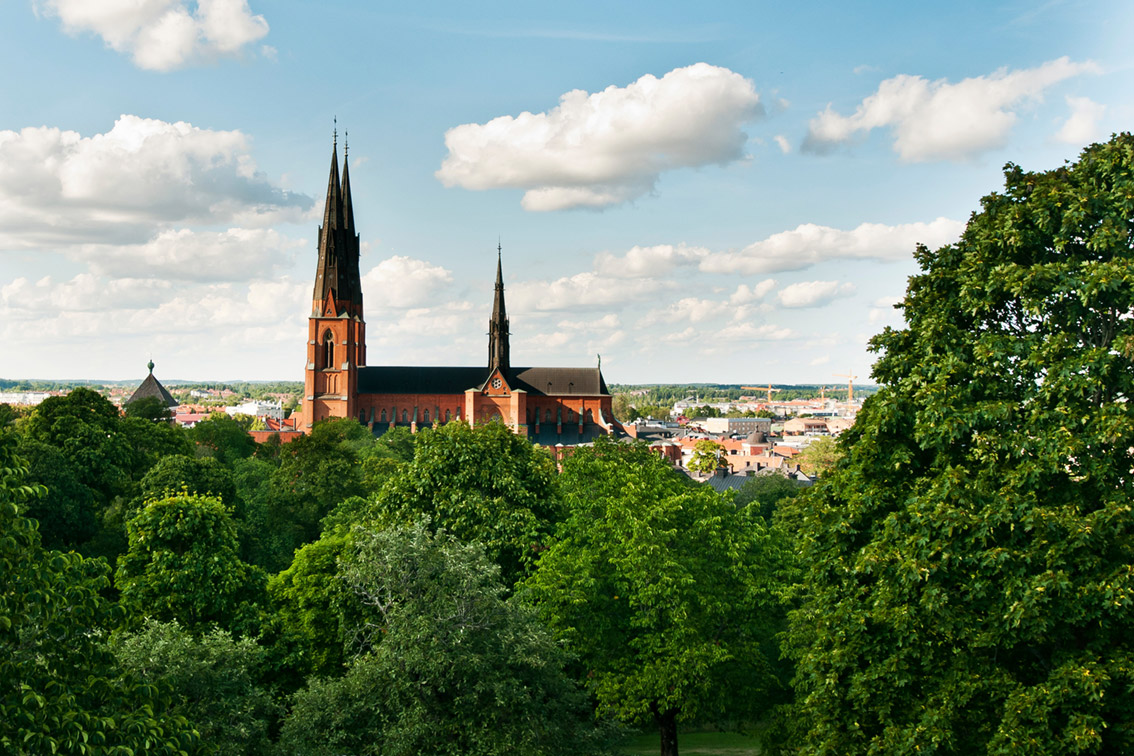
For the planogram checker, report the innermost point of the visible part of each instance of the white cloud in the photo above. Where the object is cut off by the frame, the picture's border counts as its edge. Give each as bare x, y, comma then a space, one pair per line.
162, 35
688, 309
403, 282
648, 262
1082, 126
810, 244
601, 149
747, 295
784, 144
581, 291
84, 293
813, 293
237, 254
58, 187
942, 121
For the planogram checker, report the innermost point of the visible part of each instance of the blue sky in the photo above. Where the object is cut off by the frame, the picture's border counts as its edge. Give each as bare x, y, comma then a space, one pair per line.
729, 192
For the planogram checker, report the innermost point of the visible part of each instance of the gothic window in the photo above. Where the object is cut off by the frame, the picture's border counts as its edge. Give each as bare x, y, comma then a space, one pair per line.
328, 350
590, 417
446, 415
547, 417
383, 415
425, 418
405, 416
362, 416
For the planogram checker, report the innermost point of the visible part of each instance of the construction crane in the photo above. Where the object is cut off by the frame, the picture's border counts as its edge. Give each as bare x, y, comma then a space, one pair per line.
767, 388
850, 384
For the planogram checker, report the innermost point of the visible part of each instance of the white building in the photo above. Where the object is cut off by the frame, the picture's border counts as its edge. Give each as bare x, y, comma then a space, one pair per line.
274, 410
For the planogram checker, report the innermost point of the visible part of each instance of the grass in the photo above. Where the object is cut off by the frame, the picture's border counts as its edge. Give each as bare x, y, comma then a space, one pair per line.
695, 744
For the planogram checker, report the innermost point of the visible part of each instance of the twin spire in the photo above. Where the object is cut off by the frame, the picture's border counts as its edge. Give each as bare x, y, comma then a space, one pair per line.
337, 274
498, 351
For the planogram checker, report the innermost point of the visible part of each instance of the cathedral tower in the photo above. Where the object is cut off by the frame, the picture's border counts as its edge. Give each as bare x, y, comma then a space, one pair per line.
336, 333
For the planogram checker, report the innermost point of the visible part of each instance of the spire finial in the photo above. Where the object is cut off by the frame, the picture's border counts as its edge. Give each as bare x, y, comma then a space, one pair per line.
150, 365
346, 144
335, 133
599, 361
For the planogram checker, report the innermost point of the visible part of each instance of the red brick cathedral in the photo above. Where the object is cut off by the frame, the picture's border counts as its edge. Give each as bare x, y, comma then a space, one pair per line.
550, 405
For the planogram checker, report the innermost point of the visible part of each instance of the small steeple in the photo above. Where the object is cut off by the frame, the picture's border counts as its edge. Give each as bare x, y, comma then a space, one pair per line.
498, 351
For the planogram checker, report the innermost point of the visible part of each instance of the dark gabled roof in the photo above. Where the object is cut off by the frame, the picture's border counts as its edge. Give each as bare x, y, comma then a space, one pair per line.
558, 381
152, 387
419, 380
457, 380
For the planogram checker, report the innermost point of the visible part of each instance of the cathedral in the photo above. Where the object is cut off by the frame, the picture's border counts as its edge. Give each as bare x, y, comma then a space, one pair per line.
550, 405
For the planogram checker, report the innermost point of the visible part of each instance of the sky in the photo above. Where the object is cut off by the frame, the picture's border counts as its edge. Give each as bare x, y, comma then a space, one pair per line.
697, 192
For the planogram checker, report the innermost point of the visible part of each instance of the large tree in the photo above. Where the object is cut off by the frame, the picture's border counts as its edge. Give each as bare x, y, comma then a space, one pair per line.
663, 589
61, 691
969, 583
445, 664
483, 484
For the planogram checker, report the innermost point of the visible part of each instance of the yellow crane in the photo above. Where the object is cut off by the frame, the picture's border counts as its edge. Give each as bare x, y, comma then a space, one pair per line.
850, 384
767, 388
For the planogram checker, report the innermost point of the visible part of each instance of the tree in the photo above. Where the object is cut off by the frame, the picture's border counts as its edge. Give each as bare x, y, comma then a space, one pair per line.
664, 591
483, 484
968, 587
149, 408
182, 564
820, 456
706, 457
60, 690
222, 437
764, 492
211, 680
446, 664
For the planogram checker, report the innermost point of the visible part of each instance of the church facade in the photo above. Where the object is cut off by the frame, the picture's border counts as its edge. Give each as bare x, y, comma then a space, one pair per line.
549, 405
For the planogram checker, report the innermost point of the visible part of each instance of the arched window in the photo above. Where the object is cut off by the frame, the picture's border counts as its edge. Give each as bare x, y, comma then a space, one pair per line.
446, 415
547, 416
383, 415
328, 350
425, 417
362, 416
590, 417
405, 416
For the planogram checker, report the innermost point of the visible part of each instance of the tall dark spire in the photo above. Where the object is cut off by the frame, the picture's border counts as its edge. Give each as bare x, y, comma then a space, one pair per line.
337, 272
498, 352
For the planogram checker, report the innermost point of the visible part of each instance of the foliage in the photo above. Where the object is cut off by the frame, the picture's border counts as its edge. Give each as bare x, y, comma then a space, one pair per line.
664, 590
765, 492
211, 679
222, 437
314, 609
182, 564
60, 690
451, 666
148, 408
483, 484
968, 584
706, 457
820, 456
66, 512
177, 472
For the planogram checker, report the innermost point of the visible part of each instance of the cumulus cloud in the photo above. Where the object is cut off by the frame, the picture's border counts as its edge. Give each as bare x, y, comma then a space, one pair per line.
810, 244
237, 254
587, 290
813, 293
163, 35
58, 187
1082, 126
648, 262
937, 120
402, 282
602, 149
746, 294
783, 143
84, 293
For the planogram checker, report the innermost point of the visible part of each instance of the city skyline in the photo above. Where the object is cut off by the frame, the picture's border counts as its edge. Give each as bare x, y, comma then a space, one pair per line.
729, 194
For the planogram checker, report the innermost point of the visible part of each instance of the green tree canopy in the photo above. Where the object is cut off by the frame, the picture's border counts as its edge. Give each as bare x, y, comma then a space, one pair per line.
820, 456
223, 437
448, 666
182, 564
60, 690
483, 484
210, 679
706, 457
663, 589
764, 493
968, 585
